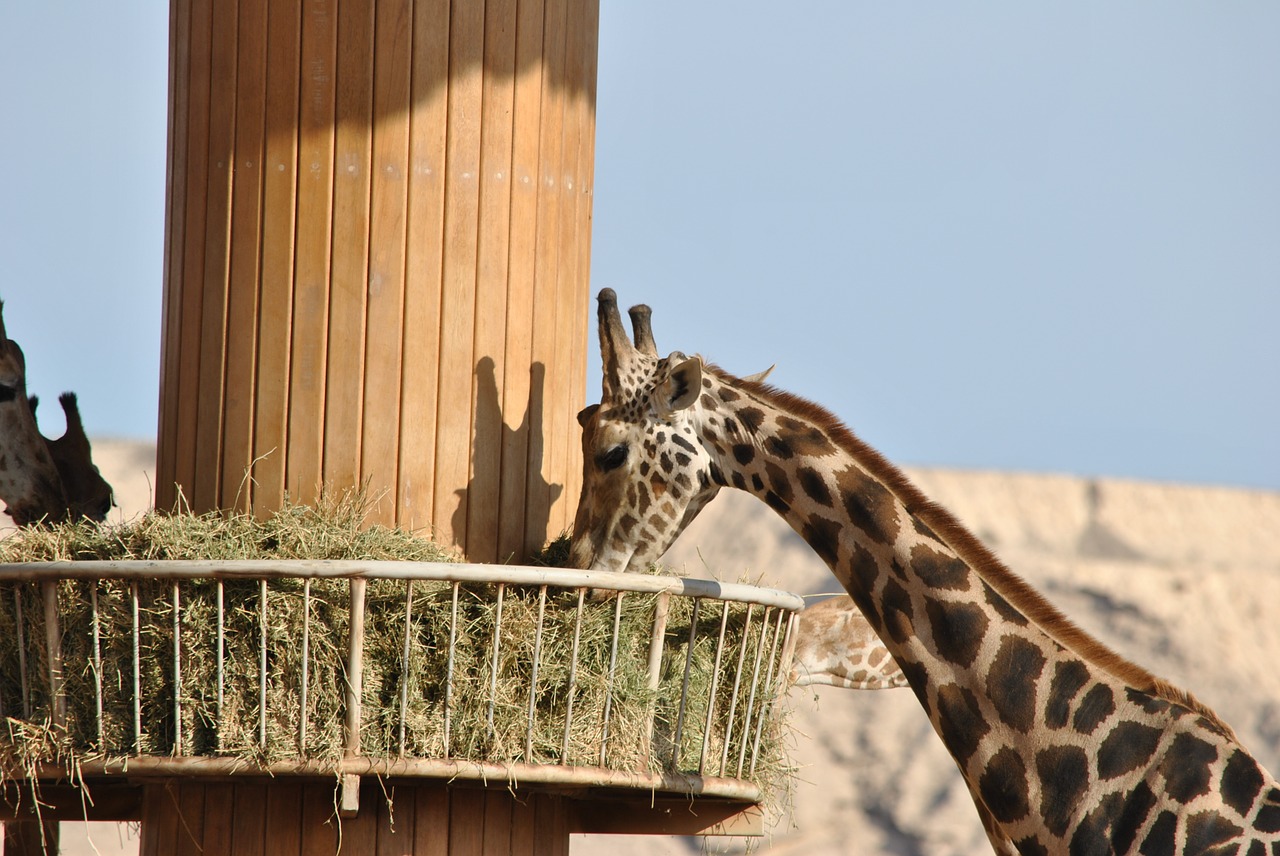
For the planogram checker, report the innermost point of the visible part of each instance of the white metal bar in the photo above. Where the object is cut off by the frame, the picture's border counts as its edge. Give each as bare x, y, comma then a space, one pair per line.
97, 662
447, 571
177, 671
684, 684
493, 666
404, 662
737, 684
613, 669
137, 670
20, 627
769, 695
222, 661
573, 677
715, 687
751, 698
533, 678
262, 664
448, 676
306, 666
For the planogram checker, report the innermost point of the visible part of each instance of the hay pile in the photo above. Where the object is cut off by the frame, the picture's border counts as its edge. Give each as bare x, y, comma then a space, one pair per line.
487, 715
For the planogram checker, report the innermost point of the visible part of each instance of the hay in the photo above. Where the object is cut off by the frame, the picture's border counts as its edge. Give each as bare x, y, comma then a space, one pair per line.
487, 715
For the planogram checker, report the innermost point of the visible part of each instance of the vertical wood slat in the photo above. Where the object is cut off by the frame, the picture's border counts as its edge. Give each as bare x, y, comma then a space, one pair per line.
245, 165
309, 333
428, 133
542, 482
353, 143
377, 259
174, 221
490, 291
210, 412
275, 309
517, 393
457, 318
386, 280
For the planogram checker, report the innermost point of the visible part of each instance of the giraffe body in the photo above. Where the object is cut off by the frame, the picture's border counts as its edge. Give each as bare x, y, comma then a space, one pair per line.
1065, 746
836, 647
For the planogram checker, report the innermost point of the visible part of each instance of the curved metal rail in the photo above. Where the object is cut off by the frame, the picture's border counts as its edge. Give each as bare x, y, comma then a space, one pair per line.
750, 664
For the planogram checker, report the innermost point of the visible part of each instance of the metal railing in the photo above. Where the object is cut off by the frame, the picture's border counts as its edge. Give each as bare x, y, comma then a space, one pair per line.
166, 675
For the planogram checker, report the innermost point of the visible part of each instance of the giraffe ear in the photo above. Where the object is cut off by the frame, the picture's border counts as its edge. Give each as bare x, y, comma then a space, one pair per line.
680, 388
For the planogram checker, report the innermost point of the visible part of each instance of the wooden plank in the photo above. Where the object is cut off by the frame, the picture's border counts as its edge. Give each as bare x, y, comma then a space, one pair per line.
275, 318
384, 326
160, 820
523, 834
311, 274
457, 308
283, 830
423, 265
214, 280
396, 822
569, 280
174, 242
431, 822
540, 488
493, 241
320, 833
517, 405
248, 820
246, 242
549, 826
188, 797
193, 251
581, 315
497, 823
466, 822
147, 839
219, 802
31, 838
345, 370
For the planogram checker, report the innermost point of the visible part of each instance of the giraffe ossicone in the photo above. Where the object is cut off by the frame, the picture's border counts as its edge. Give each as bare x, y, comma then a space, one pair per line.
1065, 746
41, 479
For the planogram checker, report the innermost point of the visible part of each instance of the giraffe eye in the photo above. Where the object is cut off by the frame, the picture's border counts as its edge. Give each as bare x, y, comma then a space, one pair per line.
612, 458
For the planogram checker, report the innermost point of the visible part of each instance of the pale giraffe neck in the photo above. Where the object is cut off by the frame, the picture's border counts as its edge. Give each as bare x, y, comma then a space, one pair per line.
1049, 728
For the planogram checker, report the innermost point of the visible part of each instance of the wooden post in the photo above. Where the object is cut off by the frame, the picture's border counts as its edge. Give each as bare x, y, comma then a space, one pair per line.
376, 256
376, 253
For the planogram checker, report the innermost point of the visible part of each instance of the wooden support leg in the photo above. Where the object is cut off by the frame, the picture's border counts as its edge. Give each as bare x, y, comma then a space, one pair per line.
25, 838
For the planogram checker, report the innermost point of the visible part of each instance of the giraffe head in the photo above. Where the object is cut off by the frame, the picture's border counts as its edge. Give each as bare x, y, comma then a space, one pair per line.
644, 473
29, 482
88, 493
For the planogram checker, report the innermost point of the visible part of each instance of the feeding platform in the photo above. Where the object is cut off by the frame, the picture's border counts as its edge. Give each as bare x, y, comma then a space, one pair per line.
636, 703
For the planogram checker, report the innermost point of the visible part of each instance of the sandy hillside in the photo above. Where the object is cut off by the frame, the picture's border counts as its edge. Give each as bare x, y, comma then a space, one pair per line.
1181, 579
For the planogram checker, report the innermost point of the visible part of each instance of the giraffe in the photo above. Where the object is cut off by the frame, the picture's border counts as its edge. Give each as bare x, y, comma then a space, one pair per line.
88, 493
836, 646
29, 482
1066, 747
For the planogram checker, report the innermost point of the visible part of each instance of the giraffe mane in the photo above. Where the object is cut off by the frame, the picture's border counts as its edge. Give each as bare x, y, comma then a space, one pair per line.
1015, 590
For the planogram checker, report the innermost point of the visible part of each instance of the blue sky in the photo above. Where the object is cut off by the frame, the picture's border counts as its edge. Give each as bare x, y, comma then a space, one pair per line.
1012, 236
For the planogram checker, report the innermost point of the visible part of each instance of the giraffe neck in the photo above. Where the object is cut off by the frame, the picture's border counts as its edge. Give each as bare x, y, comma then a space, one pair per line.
1042, 720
